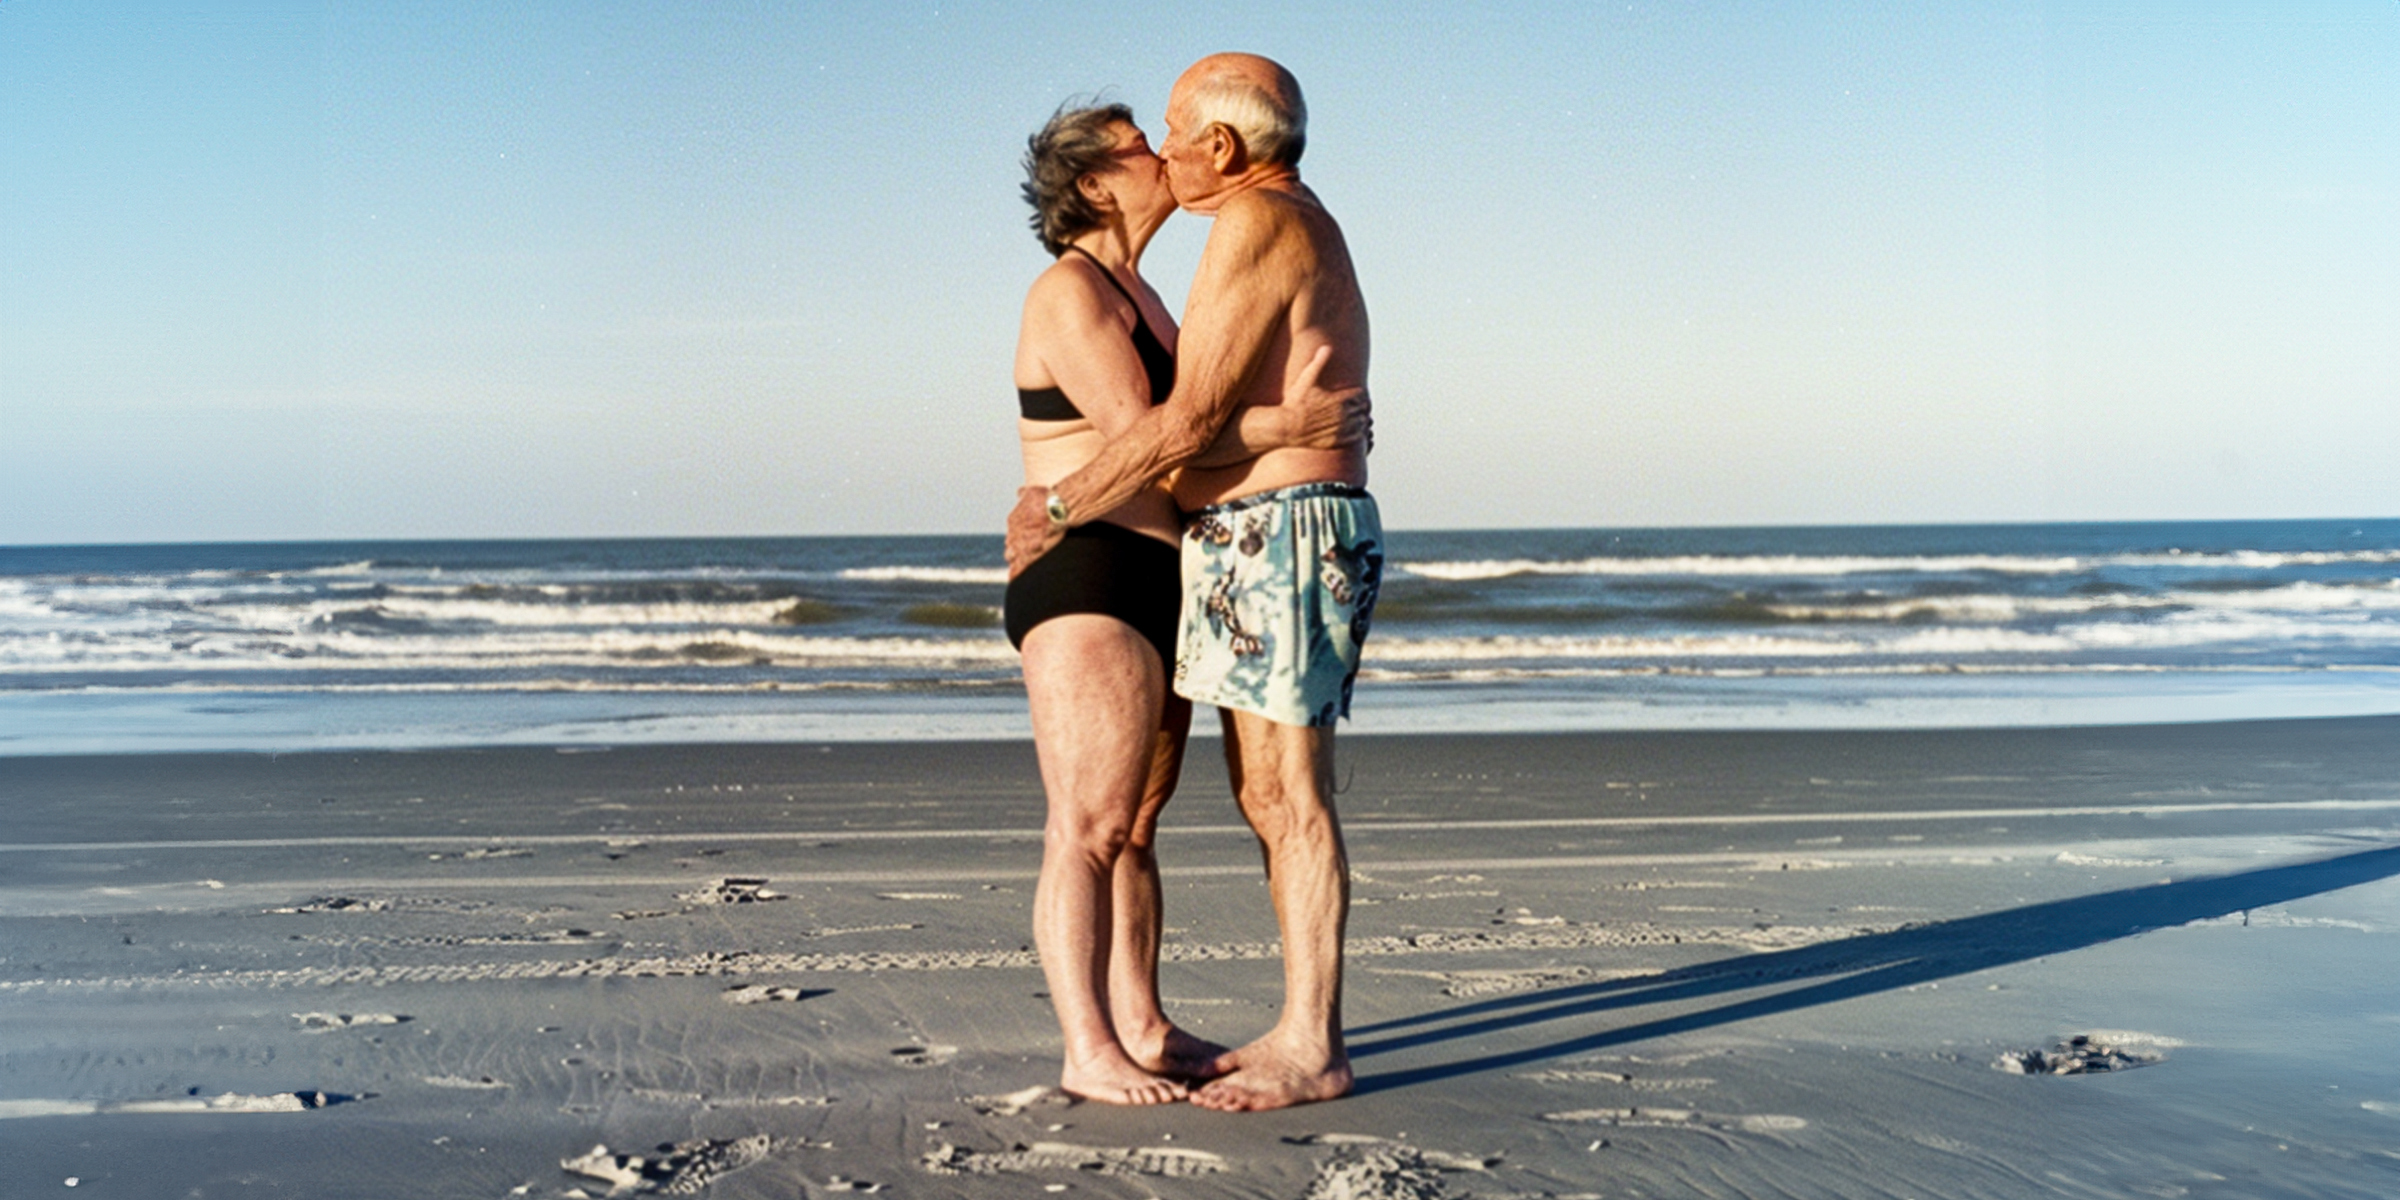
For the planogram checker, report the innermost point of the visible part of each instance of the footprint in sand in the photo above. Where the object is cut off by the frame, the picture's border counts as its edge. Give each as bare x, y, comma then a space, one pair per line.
760, 993
546, 937
483, 1083
923, 1056
355, 904
234, 1102
1679, 1118
2084, 1054
1009, 1105
1372, 1168
1496, 982
675, 1169
1119, 1161
319, 1022
766, 1102
230, 1102
732, 889
341, 904
1619, 1078
1437, 1158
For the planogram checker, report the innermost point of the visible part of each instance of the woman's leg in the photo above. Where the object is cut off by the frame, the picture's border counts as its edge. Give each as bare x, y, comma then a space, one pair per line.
1095, 688
1142, 1025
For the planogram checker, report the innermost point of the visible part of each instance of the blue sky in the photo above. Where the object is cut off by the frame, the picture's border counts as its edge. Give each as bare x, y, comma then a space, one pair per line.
465, 270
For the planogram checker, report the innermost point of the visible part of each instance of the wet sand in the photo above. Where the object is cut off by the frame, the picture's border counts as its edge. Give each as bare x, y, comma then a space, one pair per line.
1700, 964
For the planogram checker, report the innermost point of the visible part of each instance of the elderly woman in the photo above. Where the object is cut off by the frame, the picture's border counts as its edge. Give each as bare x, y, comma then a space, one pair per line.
1095, 617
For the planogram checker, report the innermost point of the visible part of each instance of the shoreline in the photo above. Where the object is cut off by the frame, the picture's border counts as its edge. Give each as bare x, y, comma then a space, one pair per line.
291, 720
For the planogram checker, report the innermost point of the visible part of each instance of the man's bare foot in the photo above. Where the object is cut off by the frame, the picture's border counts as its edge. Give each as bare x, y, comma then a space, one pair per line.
1118, 1083
1175, 1054
1265, 1075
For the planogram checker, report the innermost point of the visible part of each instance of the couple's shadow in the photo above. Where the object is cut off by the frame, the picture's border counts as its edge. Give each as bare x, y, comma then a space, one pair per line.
1861, 966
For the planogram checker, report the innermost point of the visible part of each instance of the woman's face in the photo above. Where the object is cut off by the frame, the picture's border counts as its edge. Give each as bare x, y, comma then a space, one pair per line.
1136, 176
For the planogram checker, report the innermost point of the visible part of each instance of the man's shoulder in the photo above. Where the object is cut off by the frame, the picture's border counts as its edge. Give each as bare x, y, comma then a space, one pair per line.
1260, 218
1273, 205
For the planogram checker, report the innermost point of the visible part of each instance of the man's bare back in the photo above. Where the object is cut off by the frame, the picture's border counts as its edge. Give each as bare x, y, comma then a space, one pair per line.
1283, 252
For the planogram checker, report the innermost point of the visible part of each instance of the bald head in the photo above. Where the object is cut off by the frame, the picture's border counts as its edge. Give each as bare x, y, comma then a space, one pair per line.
1252, 96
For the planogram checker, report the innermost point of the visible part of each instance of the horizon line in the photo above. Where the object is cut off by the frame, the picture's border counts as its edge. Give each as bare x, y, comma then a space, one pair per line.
996, 535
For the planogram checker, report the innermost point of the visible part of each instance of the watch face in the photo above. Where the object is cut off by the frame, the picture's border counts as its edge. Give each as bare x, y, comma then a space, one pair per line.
1057, 509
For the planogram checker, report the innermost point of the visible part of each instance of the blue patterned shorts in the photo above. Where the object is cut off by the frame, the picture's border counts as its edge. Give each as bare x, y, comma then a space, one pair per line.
1278, 589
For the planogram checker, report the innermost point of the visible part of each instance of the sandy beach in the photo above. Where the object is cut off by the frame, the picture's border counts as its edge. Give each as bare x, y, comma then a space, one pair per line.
1660, 965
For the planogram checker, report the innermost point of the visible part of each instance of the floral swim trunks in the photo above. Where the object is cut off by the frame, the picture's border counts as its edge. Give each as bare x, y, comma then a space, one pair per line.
1278, 589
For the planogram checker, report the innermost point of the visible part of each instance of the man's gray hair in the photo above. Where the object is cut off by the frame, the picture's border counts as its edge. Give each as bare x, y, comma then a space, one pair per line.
1271, 130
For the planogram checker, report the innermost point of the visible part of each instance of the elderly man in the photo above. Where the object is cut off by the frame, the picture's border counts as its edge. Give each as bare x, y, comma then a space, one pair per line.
1283, 554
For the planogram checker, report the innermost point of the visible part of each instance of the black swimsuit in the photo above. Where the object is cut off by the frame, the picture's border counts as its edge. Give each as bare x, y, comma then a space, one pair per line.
1051, 404
1101, 567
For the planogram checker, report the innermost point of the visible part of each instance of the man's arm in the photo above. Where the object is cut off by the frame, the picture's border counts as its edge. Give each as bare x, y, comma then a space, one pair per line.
1236, 302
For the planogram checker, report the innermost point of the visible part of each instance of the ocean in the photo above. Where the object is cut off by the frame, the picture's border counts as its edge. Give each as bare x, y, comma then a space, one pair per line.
290, 646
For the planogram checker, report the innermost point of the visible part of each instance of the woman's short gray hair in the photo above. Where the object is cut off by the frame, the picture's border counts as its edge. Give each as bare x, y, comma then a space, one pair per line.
1271, 130
1074, 143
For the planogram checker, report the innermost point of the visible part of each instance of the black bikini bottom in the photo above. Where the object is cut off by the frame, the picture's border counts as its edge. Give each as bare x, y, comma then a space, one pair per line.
1106, 569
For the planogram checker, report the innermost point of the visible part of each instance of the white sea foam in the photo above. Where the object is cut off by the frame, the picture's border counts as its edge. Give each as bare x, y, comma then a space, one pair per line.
1514, 673
503, 612
1799, 565
2255, 560
608, 648
1757, 565
2193, 630
1467, 649
980, 575
679, 639
2301, 597
1996, 607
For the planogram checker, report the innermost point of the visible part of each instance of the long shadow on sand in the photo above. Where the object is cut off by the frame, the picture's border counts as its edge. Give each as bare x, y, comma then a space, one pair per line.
1873, 963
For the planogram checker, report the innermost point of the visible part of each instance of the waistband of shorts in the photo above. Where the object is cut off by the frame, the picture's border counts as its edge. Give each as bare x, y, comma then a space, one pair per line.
1302, 491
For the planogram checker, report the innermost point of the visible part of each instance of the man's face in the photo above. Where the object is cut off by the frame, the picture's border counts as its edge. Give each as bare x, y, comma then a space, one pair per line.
1190, 173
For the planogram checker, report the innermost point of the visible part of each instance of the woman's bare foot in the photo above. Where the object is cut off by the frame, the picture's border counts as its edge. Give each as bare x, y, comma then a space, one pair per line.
1266, 1074
1169, 1051
1118, 1083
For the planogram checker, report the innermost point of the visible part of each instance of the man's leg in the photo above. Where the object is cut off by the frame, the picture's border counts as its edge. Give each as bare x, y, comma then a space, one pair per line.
1283, 778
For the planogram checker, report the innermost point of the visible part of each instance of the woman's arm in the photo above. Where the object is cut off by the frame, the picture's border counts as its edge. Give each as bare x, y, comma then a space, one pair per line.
1078, 338
1310, 418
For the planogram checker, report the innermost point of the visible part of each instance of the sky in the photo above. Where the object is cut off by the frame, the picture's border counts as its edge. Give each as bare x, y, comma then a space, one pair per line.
469, 270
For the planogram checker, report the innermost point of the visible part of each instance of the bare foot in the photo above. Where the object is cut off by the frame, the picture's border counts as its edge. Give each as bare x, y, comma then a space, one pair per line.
1118, 1083
1171, 1052
1265, 1075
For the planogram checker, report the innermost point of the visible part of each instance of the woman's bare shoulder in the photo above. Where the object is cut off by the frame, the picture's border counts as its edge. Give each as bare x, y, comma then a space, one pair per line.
1070, 296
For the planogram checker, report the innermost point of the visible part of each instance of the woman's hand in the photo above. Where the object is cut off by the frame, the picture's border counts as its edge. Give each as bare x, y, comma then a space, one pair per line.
1309, 418
1324, 419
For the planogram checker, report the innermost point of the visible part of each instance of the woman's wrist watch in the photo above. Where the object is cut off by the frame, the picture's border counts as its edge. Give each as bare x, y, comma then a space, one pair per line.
1056, 506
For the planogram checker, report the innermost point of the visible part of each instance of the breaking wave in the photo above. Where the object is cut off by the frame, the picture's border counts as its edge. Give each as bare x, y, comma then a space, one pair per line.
1765, 566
